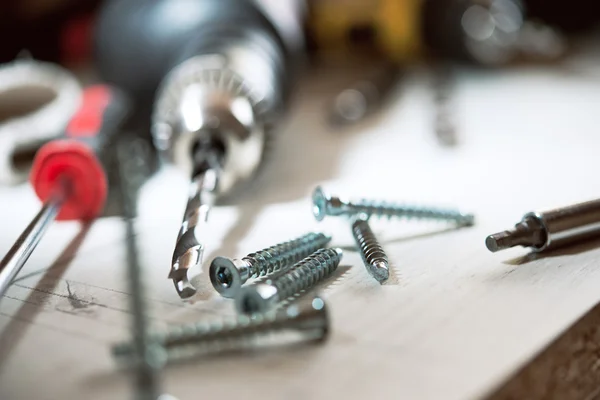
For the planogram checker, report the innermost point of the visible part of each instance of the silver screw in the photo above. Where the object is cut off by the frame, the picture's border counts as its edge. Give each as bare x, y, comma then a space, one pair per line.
324, 204
147, 354
228, 276
309, 318
371, 251
305, 274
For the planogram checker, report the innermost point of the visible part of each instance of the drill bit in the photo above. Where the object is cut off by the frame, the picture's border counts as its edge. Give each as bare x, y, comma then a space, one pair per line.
189, 248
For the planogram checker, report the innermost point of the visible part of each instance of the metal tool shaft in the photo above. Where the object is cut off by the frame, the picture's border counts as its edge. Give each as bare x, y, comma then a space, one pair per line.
19, 253
148, 354
189, 248
543, 230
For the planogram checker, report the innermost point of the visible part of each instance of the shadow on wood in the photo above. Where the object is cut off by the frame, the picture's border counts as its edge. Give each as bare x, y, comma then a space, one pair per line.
582, 247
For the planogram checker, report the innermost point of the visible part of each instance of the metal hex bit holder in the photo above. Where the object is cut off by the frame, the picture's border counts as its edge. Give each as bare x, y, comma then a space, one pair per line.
544, 230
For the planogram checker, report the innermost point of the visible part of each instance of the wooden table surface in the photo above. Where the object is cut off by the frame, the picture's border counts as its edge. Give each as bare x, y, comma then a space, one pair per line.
454, 321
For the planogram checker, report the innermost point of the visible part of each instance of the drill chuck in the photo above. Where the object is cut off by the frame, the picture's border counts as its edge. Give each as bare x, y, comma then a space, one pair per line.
221, 73
227, 97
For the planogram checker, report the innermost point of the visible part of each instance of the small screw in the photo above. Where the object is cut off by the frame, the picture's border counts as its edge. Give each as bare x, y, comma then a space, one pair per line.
309, 318
371, 251
324, 204
261, 297
228, 276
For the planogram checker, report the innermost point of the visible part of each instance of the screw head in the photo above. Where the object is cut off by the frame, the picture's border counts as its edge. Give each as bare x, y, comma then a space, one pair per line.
320, 201
225, 276
255, 299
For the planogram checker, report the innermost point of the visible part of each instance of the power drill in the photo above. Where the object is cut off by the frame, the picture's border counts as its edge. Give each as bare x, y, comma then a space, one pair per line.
221, 73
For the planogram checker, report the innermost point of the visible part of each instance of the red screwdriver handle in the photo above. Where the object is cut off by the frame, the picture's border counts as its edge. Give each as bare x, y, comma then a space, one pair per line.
77, 161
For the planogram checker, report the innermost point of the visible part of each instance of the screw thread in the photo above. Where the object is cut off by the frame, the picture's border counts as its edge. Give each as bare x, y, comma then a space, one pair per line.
371, 251
284, 254
227, 334
307, 272
382, 209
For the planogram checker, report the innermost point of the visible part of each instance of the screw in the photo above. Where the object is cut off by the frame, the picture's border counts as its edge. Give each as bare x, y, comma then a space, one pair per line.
324, 204
305, 274
228, 276
148, 355
309, 318
371, 251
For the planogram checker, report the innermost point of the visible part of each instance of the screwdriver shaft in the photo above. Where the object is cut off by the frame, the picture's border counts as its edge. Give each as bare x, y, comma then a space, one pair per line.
19, 253
148, 354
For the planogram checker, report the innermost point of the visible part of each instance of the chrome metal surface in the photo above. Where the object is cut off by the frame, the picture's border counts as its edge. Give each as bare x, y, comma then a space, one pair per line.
19, 253
228, 94
304, 275
227, 276
551, 228
227, 98
189, 247
371, 251
148, 355
310, 318
324, 204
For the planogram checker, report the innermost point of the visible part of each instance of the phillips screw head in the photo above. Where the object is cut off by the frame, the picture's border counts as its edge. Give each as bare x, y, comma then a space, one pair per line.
227, 276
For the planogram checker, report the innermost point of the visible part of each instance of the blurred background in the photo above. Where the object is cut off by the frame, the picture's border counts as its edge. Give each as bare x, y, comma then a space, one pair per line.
135, 46
209, 84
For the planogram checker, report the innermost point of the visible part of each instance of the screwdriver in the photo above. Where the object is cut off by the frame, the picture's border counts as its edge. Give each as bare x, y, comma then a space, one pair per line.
549, 229
68, 174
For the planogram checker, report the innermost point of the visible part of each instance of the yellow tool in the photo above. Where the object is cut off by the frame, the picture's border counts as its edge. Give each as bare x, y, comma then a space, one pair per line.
393, 27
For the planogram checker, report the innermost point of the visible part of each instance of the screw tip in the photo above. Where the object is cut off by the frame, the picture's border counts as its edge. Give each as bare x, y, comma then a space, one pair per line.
339, 252
380, 271
469, 220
